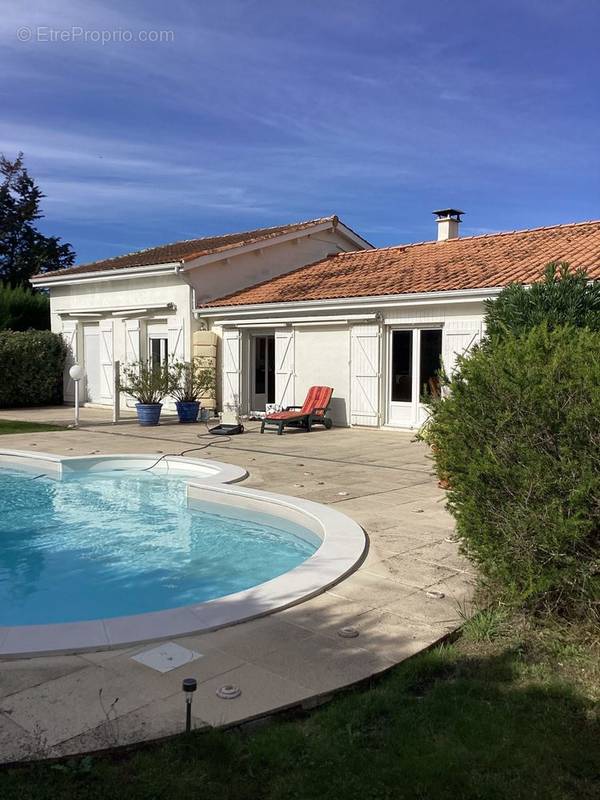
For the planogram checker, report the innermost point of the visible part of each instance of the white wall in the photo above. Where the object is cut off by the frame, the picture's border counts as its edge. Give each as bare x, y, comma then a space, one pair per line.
322, 359
322, 353
218, 278
111, 295
107, 296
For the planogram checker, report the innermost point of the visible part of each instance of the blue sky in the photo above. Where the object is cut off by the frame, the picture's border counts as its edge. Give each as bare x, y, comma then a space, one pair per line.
258, 113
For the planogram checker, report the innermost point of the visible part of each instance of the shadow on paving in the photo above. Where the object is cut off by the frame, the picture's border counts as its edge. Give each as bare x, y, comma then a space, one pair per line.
442, 726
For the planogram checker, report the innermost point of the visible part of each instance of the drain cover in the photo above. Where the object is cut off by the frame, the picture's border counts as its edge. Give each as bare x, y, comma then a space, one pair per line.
348, 633
166, 657
228, 692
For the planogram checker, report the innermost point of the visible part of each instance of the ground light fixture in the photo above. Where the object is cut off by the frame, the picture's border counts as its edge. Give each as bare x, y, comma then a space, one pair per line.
76, 373
189, 686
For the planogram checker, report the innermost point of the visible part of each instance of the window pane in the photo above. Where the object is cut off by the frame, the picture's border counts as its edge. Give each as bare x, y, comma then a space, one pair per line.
270, 369
431, 362
259, 365
155, 351
159, 351
402, 366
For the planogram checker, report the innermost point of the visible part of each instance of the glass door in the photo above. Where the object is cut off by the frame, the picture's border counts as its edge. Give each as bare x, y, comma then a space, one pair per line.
401, 389
263, 372
430, 364
413, 373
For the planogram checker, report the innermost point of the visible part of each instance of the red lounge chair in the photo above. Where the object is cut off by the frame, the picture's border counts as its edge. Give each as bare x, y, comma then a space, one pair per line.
312, 412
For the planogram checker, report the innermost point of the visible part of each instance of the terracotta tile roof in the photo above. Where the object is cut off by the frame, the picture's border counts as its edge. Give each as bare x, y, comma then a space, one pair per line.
473, 262
186, 250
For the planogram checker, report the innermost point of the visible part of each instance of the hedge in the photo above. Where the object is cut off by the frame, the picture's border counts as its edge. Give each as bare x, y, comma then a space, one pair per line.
22, 310
518, 439
31, 366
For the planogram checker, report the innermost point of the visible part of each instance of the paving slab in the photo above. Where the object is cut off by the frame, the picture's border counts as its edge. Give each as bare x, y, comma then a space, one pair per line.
261, 689
28, 672
157, 720
71, 704
323, 664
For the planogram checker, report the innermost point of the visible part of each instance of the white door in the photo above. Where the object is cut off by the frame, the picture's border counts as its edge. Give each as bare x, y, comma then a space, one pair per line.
284, 368
365, 374
414, 362
91, 362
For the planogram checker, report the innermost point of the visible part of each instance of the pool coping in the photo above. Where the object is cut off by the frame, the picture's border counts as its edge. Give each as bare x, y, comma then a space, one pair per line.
343, 548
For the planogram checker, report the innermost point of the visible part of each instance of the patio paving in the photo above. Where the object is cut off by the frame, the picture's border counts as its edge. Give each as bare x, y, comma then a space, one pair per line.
58, 705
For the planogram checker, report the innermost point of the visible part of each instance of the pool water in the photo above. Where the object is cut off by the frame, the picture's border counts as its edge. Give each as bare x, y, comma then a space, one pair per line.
117, 543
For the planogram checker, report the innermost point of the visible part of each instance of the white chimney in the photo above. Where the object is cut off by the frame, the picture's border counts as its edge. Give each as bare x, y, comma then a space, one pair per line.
448, 221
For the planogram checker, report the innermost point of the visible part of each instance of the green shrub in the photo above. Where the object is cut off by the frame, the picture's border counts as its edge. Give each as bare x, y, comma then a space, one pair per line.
191, 381
519, 439
146, 381
31, 366
22, 310
562, 297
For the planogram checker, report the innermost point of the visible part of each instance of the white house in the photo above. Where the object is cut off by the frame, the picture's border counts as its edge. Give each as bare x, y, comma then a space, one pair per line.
376, 324
141, 305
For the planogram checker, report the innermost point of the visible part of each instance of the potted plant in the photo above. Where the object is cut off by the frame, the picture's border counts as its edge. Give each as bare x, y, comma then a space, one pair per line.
147, 383
190, 381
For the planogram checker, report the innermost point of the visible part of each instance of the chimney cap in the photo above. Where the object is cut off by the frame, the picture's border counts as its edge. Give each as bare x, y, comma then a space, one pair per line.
444, 213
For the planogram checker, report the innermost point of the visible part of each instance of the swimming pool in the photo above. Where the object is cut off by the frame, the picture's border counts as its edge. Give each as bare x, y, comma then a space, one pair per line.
102, 551
109, 544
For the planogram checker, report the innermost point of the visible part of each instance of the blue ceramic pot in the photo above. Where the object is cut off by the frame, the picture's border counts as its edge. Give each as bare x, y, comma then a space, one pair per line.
148, 413
188, 412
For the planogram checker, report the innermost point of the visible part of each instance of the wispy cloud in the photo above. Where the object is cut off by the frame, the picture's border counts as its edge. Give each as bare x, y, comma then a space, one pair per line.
257, 112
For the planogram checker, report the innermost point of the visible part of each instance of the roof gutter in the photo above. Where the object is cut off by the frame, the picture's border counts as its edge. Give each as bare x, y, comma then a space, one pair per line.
349, 303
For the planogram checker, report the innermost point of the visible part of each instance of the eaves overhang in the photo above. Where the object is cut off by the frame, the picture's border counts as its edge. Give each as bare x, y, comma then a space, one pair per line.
453, 296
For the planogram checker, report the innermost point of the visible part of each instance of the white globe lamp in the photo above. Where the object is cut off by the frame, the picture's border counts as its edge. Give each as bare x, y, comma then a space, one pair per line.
76, 373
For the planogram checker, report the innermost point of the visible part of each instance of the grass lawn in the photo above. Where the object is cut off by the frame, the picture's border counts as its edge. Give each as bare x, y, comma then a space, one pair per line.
15, 426
508, 711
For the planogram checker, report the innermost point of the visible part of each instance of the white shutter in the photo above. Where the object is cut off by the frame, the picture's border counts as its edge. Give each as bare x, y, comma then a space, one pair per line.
133, 343
458, 343
69, 334
231, 390
175, 334
132, 340
106, 360
364, 371
284, 367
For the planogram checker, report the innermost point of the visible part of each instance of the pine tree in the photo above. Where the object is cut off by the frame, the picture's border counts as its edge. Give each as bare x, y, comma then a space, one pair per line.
24, 251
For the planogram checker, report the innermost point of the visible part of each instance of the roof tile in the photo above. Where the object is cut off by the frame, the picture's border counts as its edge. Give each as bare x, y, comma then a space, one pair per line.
475, 262
187, 250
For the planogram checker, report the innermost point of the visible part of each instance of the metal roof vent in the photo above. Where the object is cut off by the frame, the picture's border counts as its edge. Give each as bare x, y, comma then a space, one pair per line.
448, 221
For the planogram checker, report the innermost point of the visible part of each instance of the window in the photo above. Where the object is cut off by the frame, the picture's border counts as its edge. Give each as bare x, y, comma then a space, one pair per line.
264, 367
430, 364
260, 365
402, 366
159, 350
